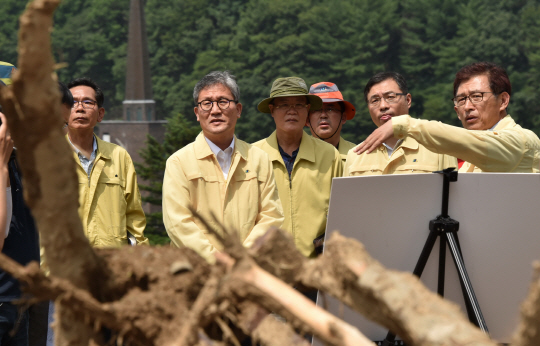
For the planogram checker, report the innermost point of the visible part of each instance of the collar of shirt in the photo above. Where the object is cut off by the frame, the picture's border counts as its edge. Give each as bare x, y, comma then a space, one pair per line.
390, 149
288, 160
79, 153
223, 156
494, 126
86, 163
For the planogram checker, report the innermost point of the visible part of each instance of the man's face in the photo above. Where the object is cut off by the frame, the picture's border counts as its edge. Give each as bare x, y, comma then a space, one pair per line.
81, 117
385, 93
290, 113
325, 122
216, 121
485, 114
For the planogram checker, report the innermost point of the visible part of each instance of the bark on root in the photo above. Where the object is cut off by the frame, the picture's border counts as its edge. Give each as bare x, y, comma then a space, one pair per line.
146, 294
32, 107
528, 331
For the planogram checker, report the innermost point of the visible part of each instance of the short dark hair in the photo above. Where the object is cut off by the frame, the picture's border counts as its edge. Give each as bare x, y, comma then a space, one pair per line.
497, 76
89, 83
67, 97
381, 77
217, 77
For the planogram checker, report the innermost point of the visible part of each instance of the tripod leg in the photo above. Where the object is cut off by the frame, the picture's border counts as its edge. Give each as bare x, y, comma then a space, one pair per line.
468, 306
424, 255
478, 319
442, 266
418, 269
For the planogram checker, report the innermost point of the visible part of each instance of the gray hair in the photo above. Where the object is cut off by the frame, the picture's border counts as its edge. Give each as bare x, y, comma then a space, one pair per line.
217, 77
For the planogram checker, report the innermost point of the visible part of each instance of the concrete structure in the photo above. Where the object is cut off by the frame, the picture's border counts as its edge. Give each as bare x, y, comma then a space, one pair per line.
131, 135
139, 104
139, 111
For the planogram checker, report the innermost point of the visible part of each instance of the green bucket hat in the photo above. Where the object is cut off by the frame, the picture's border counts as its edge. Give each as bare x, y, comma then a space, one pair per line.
290, 86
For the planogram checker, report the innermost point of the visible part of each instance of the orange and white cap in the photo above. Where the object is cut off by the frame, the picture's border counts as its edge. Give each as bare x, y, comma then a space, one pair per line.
329, 92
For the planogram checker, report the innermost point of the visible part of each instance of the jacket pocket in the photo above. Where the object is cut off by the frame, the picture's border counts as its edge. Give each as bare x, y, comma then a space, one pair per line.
111, 208
412, 168
365, 171
246, 187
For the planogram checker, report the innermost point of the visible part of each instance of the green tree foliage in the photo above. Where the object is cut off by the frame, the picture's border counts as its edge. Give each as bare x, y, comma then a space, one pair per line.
341, 41
179, 132
10, 11
91, 37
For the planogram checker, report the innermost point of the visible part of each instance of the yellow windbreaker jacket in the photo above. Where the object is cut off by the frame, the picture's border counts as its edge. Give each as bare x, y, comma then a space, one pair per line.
246, 202
508, 148
408, 157
109, 200
306, 195
343, 148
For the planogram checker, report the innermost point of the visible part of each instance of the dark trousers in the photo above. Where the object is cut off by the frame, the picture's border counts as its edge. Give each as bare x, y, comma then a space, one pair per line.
38, 315
13, 327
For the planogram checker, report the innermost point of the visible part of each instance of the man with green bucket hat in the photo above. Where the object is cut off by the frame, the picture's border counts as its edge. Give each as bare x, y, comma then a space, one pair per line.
303, 166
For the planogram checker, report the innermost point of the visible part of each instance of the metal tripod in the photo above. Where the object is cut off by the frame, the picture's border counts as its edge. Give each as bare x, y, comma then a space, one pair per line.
444, 227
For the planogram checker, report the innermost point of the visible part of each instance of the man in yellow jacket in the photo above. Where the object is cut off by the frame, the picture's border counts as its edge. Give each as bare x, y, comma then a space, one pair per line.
303, 166
327, 122
218, 176
491, 141
387, 96
109, 199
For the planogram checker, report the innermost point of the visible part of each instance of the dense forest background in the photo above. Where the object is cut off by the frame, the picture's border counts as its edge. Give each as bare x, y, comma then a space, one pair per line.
342, 41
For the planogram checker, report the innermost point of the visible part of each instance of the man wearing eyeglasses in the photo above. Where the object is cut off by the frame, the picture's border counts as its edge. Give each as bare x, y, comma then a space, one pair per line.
491, 141
303, 166
387, 96
109, 200
228, 182
327, 122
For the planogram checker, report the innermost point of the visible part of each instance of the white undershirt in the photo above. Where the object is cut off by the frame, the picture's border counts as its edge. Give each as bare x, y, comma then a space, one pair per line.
9, 209
494, 126
389, 149
223, 156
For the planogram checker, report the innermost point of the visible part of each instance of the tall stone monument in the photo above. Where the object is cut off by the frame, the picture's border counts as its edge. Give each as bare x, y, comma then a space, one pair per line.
139, 107
138, 103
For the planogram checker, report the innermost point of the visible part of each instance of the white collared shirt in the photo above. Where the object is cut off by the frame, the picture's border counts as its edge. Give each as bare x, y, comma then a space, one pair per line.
223, 156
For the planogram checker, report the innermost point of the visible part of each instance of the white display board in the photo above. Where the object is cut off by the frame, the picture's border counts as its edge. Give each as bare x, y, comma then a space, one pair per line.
499, 234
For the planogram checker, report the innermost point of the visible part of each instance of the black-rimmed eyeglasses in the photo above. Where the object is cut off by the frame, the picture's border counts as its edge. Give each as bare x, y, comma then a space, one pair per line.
223, 104
476, 97
86, 104
389, 97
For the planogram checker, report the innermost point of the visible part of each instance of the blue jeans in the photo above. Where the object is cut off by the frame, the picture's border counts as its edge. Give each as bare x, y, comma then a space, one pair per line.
10, 320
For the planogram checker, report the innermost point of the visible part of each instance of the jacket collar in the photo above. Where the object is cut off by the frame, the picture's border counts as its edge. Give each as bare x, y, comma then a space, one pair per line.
409, 143
103, 149
202, 149
306, 152
504, 123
